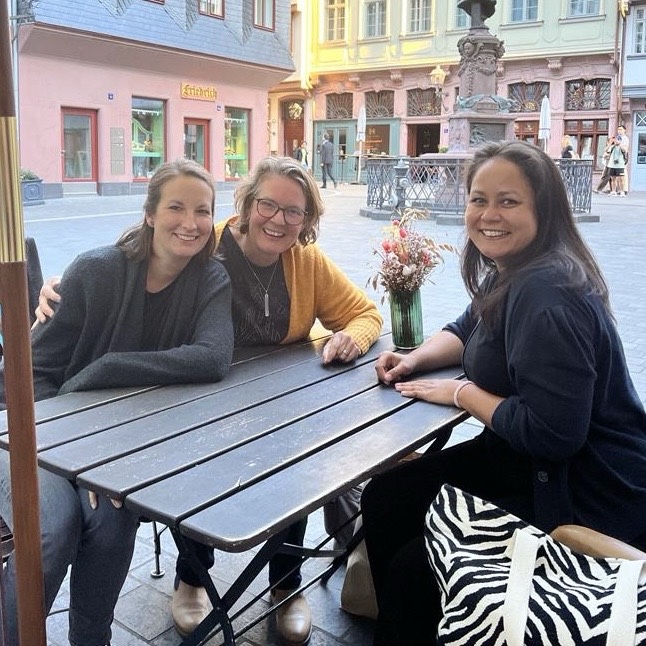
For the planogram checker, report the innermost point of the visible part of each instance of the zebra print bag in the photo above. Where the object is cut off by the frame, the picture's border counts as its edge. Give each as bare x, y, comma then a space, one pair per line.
504, 582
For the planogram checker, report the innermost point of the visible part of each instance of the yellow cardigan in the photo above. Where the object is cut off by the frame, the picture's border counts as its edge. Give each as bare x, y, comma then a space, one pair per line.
318, 289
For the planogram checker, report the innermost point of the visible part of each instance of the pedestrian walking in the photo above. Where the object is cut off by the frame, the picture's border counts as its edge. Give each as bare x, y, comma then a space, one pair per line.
327, 157
605, 176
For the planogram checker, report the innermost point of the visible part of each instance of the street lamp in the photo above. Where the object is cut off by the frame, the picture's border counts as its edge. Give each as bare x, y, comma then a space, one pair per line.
438, 76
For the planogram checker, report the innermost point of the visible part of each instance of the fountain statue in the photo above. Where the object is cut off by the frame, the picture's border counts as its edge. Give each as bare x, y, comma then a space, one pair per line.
480, 114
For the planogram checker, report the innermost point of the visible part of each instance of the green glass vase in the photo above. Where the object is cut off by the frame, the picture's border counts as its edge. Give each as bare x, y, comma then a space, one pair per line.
406, 320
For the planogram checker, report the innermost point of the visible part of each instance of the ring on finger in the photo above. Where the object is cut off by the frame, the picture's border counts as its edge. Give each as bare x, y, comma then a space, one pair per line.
344, 352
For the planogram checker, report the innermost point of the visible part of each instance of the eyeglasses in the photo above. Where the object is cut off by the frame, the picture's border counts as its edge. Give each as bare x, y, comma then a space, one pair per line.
268, 208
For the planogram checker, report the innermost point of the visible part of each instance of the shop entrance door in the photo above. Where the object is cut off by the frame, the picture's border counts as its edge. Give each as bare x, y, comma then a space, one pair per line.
196, 141
340, 138
78, 150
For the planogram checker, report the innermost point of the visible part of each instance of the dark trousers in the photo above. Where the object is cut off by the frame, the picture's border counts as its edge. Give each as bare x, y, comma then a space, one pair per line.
279, 566
394, 506
604, 179
326, 171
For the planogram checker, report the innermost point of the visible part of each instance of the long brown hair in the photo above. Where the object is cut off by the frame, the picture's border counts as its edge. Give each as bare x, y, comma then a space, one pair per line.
137, 240
557, 243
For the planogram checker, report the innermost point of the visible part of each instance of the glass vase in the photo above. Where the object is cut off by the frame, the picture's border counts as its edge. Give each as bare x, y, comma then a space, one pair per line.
406, 319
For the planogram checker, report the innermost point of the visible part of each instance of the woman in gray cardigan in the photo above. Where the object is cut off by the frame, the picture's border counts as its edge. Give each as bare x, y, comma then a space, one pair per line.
153, 309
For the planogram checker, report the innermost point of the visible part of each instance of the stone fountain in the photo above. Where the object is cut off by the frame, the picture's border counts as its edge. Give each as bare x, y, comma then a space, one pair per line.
480, 114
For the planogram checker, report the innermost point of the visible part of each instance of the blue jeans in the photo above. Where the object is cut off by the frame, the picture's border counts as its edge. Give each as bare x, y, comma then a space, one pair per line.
97, 543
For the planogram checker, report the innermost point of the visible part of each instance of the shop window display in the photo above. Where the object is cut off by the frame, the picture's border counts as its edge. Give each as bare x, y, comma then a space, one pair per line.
236, 143
147, 136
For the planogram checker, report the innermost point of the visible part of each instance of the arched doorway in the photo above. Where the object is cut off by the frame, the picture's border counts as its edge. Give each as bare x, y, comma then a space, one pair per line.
293, 112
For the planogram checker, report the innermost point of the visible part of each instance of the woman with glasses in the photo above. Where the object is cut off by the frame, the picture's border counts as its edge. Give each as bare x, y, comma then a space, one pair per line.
282, 282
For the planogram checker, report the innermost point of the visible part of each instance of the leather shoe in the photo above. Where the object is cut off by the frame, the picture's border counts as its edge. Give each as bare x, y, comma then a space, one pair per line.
293, 620
189, 606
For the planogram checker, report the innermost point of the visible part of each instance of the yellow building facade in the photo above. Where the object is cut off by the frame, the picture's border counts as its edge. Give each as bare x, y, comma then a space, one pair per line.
399, 60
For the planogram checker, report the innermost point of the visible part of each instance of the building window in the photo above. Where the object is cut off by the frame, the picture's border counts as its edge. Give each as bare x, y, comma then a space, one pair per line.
524, 10
526, 131
335, 20
419, 16
212, 7
377, 140
380, 104
264, 13
589, 138
587, 95
527, 97
338, 106
375, 18
423, 103
148, 129
462, 19
640, 31
236, 143
577, 8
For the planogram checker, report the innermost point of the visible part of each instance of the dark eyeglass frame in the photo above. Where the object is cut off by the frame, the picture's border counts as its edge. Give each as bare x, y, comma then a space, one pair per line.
294, 220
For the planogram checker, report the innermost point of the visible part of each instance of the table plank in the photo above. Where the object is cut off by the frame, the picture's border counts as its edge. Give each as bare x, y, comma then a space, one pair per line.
149, 448
172, 499
242, 521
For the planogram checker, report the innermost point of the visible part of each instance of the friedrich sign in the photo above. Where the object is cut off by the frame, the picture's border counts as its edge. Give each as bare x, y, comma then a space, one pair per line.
199, 92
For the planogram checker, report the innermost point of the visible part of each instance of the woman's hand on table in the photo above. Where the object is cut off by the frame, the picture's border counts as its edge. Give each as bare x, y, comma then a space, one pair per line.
340, 347
48, 294
94, 501
393, 367
436, 391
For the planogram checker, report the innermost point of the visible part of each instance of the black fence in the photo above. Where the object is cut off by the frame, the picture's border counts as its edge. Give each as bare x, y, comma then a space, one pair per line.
438, 185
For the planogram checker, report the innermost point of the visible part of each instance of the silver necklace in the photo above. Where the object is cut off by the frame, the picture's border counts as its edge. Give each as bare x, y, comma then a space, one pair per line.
271, 278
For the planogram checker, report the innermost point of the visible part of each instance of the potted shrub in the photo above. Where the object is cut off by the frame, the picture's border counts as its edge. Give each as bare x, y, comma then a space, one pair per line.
31, 186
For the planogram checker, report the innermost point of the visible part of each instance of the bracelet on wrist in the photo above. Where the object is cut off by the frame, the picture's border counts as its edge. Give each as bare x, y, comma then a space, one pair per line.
456, 401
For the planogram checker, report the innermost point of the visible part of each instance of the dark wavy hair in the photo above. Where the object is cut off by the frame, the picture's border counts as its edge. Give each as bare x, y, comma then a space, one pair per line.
247, 192
137, 240
558, 243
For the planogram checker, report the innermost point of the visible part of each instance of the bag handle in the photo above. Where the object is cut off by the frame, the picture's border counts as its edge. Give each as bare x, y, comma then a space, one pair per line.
622, 626
519, 587
623, 613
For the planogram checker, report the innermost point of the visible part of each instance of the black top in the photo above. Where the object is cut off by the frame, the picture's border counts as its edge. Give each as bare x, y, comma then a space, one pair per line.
250, 325
570, 405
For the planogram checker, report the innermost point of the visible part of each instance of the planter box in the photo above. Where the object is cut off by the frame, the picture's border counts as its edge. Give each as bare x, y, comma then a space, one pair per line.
32, 191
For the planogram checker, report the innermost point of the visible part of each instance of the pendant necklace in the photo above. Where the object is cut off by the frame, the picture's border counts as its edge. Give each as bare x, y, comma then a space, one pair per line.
265, 289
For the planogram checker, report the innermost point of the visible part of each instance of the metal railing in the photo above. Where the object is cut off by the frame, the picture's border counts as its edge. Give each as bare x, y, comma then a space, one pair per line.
438, 184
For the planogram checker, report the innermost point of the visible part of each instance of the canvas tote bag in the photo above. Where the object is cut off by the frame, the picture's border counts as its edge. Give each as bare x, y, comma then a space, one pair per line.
505, 582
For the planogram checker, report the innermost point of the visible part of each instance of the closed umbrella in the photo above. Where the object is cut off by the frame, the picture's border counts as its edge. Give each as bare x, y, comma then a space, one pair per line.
545, 122
17, 364
361, 137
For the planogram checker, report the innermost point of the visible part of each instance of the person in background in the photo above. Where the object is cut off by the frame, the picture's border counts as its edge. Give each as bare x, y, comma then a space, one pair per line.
623, 141
327, 159
567, 149
300, 154
564, 438
282, 283
617, 168
605, 176
155, 308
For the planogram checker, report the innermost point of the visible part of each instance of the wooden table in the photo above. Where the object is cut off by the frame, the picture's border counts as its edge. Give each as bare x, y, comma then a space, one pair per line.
234, 464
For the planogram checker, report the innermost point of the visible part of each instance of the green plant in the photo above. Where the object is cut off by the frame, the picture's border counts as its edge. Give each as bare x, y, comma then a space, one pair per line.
28, 174
442, 149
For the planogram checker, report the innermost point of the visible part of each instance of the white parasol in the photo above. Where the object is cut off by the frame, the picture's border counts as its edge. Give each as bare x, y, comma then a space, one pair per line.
361, 137
545, 122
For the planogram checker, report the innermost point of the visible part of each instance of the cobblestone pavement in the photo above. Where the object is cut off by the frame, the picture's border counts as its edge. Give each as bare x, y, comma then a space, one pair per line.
142, 614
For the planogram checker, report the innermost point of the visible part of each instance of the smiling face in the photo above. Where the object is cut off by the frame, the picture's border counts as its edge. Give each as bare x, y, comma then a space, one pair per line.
268, 238
182, 221
500, 216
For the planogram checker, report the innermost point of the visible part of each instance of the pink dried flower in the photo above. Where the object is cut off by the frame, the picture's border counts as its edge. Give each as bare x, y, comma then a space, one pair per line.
407, 257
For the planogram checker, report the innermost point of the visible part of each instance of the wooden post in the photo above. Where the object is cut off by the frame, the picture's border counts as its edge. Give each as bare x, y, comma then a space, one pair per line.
17, 369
